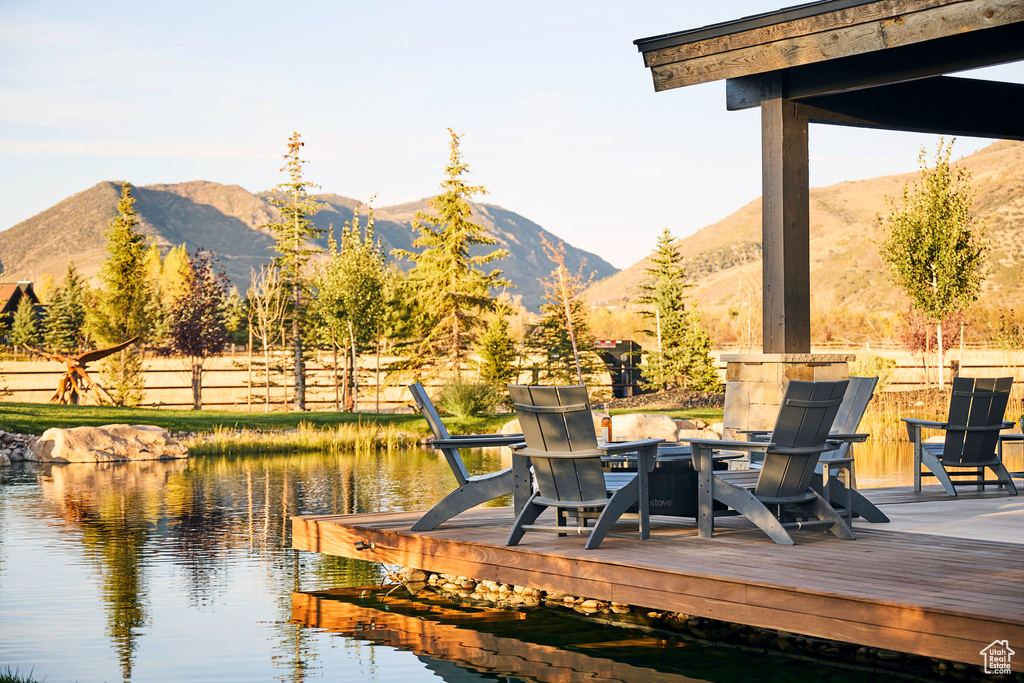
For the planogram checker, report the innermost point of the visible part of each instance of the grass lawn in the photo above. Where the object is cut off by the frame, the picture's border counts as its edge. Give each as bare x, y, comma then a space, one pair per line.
35, 418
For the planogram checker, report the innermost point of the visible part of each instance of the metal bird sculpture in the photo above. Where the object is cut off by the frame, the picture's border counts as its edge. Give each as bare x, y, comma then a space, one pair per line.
75, 384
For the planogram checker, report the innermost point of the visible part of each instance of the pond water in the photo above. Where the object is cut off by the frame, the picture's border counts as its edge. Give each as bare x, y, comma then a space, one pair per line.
171, 571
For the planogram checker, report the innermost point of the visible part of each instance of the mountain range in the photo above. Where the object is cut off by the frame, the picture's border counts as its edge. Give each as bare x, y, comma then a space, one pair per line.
848, 277
226, 218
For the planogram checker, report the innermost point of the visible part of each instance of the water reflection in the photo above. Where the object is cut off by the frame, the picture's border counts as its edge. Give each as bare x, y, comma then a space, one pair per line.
892, 464
182, 570
467, 642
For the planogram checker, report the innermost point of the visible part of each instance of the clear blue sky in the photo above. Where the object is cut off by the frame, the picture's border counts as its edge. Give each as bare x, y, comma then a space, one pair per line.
561, 121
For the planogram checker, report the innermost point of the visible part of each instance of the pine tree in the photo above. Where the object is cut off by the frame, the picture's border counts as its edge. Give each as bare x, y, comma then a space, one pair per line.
446, 276
198, 326
682, 357
935, 250
25, 329
64, 328
123, 302
700, 373
295, 234
497, 351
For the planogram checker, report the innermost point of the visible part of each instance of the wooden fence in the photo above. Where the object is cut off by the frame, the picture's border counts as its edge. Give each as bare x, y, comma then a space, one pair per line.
227, 384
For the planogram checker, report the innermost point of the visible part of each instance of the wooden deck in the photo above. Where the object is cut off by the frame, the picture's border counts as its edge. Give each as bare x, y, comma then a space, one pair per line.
925, 594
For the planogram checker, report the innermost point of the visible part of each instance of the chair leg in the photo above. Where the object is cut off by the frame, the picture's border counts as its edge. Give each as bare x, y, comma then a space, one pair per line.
821, 509
744, 502
915, 438
860, 505
531, 511
935, 466
1003, 476
461, 499
616, 507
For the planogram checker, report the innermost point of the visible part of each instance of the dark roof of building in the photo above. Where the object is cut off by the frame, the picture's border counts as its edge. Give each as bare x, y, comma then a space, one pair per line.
724, 28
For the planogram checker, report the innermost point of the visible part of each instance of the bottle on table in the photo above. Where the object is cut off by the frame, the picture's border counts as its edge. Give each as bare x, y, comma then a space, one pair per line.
605, 434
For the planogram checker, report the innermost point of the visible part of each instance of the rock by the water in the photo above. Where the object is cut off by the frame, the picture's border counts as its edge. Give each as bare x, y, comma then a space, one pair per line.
643, 426
110, 443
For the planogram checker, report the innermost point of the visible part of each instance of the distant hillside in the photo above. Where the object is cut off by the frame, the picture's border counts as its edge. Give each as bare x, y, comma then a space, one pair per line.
224, 218
723, 259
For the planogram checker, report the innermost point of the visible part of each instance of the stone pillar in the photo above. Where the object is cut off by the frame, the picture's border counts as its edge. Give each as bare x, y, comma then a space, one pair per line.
756, 382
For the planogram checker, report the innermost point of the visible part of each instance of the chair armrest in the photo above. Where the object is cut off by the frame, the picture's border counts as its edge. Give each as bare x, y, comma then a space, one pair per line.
848, 438
714, 444
837, 461
755, 434
1009, 424
478, 441
927, 424
646, 451
616, 447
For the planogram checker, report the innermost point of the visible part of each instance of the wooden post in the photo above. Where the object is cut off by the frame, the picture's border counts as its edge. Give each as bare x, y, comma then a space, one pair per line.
785, 222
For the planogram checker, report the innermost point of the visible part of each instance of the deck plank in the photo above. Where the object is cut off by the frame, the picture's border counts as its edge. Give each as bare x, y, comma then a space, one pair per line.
931, 595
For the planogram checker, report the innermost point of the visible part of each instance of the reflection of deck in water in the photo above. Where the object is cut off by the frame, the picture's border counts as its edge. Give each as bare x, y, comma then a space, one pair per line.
932, 595
488, 640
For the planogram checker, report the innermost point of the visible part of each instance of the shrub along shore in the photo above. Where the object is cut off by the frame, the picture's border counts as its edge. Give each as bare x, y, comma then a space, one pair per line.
222, 432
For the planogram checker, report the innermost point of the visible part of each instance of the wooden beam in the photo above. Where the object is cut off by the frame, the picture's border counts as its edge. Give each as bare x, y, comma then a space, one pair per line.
667, 49
898, 65
877, 36
942, 105
785, 228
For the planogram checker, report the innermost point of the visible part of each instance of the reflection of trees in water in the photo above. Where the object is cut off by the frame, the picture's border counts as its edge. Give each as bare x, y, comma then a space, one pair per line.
215, 514
117, 543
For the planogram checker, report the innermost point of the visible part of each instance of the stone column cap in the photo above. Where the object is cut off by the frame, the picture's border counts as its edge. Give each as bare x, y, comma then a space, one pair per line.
788, 357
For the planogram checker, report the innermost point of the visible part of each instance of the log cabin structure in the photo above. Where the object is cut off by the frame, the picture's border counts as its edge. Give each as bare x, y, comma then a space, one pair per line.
865, 63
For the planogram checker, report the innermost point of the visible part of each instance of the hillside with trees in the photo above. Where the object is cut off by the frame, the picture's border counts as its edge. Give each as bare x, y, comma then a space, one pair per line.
226, 220
852, 298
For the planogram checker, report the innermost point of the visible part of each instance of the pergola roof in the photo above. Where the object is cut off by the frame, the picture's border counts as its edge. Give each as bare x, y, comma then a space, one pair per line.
832, 49
871, 64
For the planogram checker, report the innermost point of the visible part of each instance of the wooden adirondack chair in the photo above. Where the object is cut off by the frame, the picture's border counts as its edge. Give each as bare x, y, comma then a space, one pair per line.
851, 411
562, 445
472, 490
773, 496
976, 409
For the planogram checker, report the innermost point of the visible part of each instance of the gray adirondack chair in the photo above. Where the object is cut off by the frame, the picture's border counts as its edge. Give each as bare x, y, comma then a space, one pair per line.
851, 411
562, 446
473, 490
976, 409
774, 496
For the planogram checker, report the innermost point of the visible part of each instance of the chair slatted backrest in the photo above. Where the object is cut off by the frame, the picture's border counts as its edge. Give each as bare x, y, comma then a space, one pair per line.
976, 409
426, 408
858, 394
805, 418
557, 420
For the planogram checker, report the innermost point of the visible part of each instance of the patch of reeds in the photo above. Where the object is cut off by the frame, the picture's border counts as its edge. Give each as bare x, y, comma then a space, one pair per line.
883, 418
358, 437
9, 675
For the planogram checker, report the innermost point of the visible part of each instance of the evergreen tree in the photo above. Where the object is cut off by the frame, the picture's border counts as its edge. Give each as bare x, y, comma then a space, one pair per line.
446, 277
564, 290
935, 250
197, 319
295, 233
123, 302
25, 330
497, 351
682, 357
64, 328
700, 373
